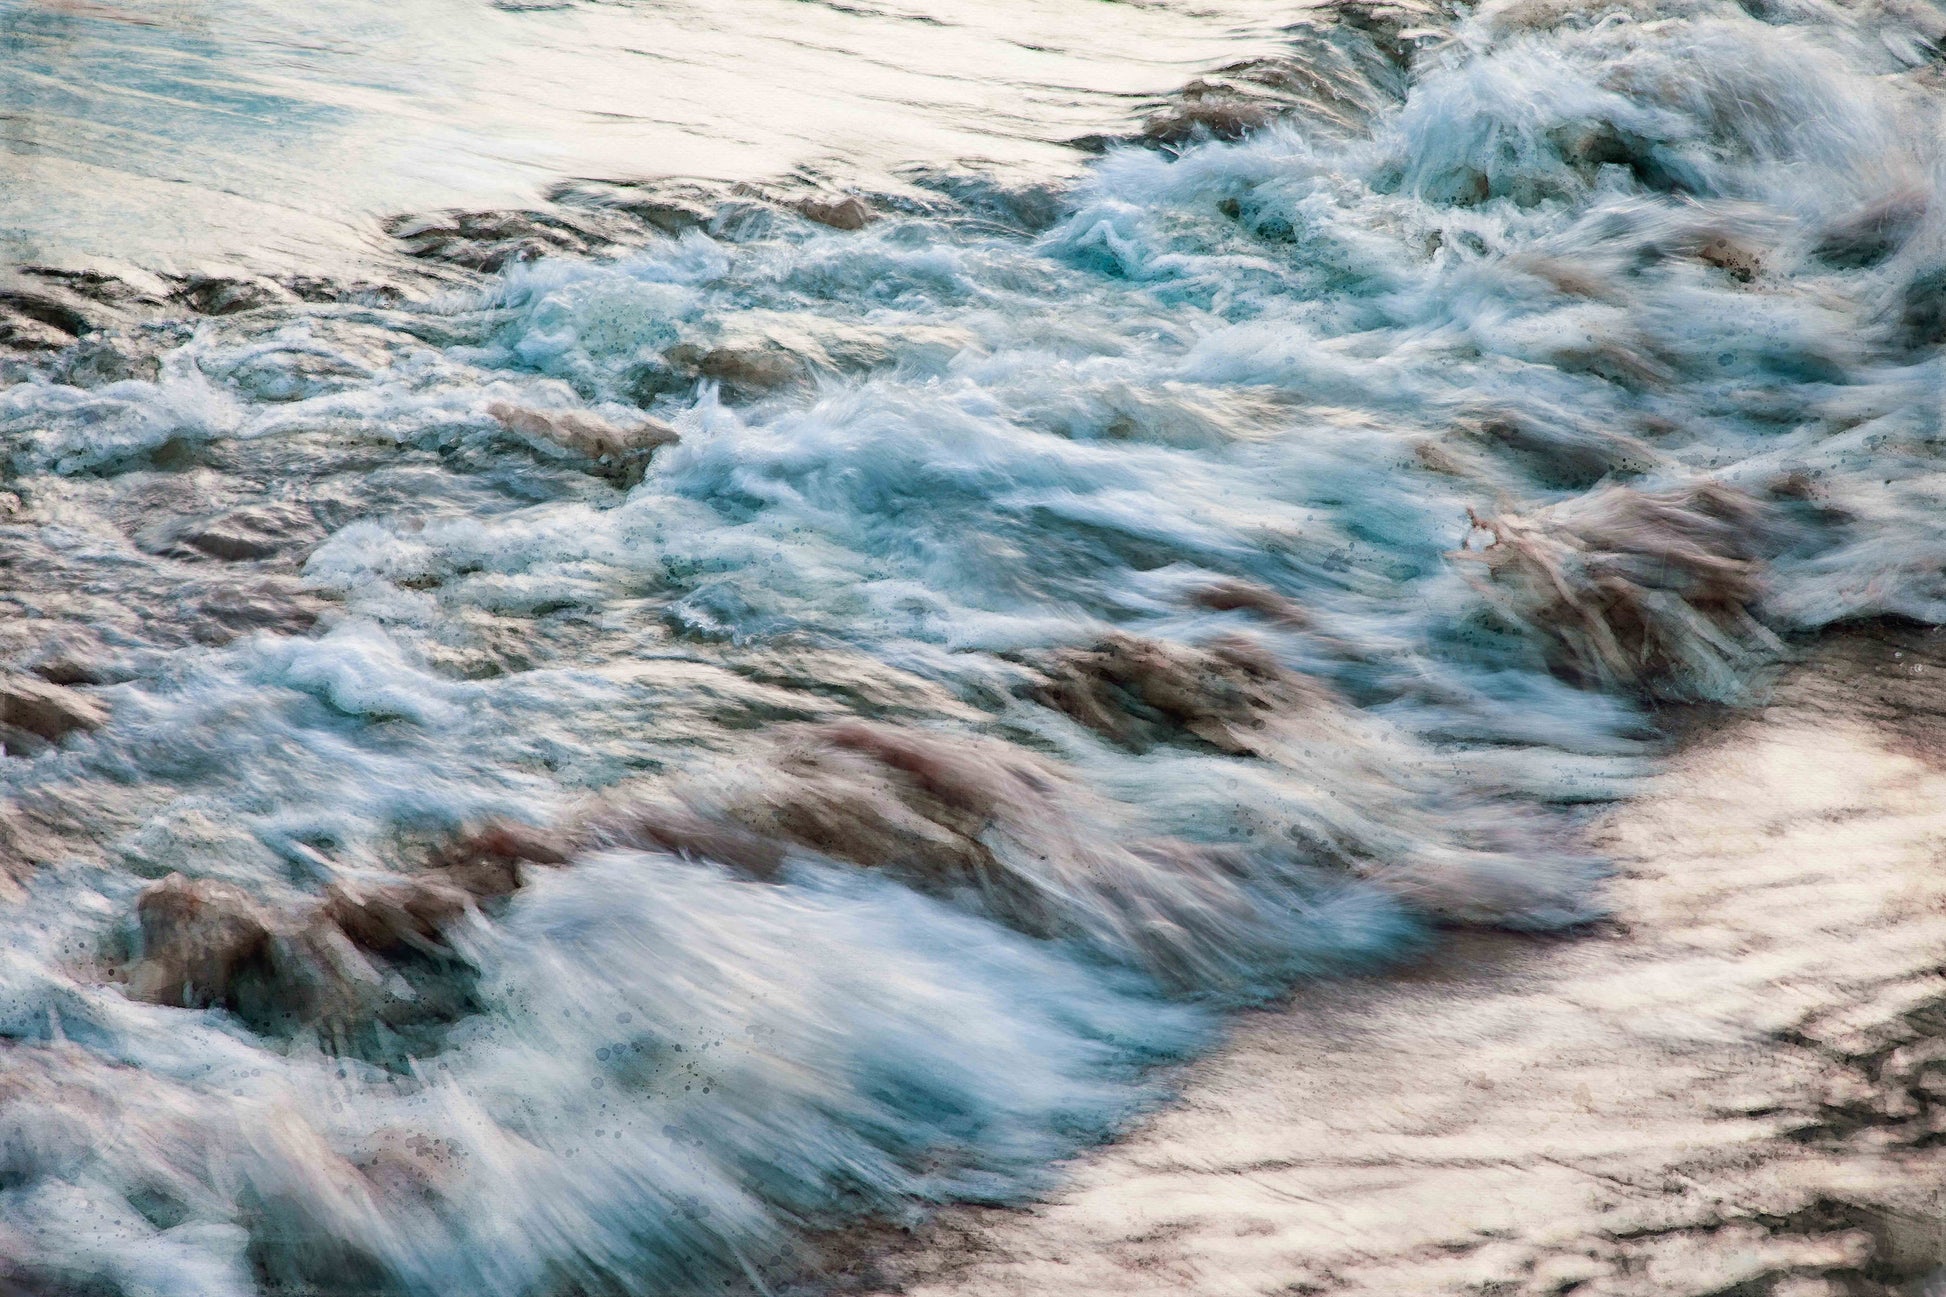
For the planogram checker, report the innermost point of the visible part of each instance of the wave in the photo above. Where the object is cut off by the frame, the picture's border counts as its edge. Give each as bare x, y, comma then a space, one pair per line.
777, 715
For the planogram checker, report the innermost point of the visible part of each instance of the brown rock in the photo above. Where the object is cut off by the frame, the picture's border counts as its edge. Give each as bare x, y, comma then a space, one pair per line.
484, 863
1738, 262
684, 832
1207, 114
505, 840
745, 371
1636, 589
199, 937
410, 915
622, 453
1139, 692
47, 710
1234, 595
840, 212
253, 532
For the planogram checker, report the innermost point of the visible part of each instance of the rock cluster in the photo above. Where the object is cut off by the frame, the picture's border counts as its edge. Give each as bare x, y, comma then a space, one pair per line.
365, 968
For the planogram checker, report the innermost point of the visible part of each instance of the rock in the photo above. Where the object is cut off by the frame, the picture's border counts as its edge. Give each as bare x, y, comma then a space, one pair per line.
622, 453
410, 915
490, 240
97, 362
295, 374
370, 969
200, 937
46, 709
839, 211
1922, 308
1032, 207
657, 377
23, 333
1206, 111
1647, 591
1140, 692
682, 832
1556, 452
70, 655
506, 840
97, 286
926, 807
226, 295
50, 318
1234, 595
1576, 1144
253, 532
228, 607
744, 370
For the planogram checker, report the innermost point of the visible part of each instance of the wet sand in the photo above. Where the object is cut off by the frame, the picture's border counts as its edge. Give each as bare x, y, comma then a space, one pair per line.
1738, 1085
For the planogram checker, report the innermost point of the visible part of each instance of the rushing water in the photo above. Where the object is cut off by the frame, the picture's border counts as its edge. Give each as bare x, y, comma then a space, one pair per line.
1072, 606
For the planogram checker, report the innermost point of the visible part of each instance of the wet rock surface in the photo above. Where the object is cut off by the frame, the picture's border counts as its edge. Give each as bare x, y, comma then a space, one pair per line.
1732, 1087
370, 969
1140, 692
1649, 591
47, 709
1344, 62
618, 452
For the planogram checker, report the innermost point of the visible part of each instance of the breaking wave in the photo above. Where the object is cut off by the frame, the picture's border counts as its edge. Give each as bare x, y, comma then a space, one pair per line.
577, 784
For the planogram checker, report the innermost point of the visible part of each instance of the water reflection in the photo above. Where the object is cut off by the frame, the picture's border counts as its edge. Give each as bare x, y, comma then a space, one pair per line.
178, 134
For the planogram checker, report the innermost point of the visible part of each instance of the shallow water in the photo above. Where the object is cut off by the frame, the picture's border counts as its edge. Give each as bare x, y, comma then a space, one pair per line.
1070, 609
182, 135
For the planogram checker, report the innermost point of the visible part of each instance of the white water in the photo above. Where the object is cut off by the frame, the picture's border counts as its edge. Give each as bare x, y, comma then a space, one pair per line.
1291, 361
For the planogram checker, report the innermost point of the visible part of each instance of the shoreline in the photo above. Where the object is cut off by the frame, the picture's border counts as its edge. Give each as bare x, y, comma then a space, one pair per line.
1730, 1087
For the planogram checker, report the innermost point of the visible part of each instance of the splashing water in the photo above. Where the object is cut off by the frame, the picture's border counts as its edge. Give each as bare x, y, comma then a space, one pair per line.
951, 658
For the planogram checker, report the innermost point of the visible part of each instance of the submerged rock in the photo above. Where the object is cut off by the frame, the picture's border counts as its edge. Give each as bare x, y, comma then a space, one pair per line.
1731, 257
1922, 308
746, 370
34, 320
1557, 452
1645, 591
245, 534
225, 607
228, 295
1236, 595
491, 240
98, 361
1874, 232
997, 830
1140, 692
620, 453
